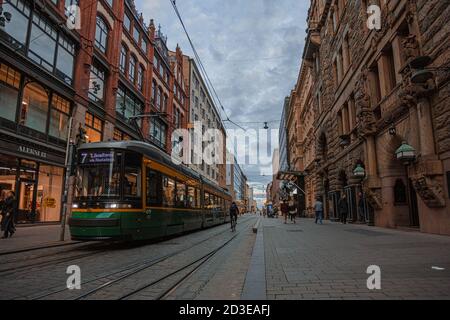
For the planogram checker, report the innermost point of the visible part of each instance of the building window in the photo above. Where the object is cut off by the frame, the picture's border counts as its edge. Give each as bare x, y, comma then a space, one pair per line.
42, 48
101, 35
127, 105
158, 132
158, 98
132, 69
154, 90
96, 83
65, 59
123, 59
127, 22
177, 122
59, 117
16, 31
165, 102
34, 110
94, 128
144, 45
9, 91
120, 135
140, 79
136, 34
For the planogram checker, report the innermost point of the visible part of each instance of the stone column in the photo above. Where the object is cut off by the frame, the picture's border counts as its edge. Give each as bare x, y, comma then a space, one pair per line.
426, 138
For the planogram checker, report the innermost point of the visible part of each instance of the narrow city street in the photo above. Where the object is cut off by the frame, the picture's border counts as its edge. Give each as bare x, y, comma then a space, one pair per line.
280, 261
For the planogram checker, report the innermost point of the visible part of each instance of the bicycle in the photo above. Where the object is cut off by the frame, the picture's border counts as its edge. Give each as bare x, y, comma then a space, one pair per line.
233, 224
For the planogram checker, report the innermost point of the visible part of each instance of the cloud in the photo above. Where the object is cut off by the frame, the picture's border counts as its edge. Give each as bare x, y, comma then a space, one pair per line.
251, 50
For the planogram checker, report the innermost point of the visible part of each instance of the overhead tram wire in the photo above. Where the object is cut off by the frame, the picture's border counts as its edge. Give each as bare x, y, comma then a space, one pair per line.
202, 68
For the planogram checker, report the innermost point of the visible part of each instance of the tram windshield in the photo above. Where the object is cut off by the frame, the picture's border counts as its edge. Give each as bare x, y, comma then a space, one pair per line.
109, 175
98, 174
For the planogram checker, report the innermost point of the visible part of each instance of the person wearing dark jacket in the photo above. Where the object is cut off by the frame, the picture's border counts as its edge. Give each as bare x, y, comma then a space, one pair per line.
234, 212
343, 209
9, 213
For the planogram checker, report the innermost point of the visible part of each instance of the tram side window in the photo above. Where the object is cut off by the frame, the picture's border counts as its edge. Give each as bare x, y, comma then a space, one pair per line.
154, 188
215, 202
132, 176
180, 195
191, 198
207, 201
168, 192
198, 195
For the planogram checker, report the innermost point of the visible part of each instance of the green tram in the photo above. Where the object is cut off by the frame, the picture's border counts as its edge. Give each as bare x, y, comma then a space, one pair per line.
131, 190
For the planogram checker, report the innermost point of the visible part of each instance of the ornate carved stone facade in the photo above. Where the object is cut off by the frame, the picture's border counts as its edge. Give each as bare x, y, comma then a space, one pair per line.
370, 91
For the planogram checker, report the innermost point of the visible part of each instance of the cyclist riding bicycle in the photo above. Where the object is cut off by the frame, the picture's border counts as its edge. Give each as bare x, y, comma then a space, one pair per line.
234, 211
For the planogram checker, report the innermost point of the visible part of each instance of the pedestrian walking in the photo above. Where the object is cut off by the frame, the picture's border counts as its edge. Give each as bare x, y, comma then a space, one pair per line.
234, 212
9, 214
285, 210
2, 205
361, 208
292, 211
343, 209
318, 208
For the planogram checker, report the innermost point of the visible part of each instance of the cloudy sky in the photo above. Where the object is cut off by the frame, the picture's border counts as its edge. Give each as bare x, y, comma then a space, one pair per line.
251, 50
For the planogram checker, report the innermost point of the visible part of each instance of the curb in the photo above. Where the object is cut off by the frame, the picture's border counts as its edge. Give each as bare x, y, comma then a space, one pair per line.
256, 226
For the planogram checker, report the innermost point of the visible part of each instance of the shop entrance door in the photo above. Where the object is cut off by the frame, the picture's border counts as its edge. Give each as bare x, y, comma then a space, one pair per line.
26, 201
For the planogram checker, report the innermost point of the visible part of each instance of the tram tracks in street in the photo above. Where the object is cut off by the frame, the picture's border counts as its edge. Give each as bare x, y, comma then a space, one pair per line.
126, 272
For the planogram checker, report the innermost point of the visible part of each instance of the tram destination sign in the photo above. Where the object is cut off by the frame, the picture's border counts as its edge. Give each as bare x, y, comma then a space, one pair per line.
96, 157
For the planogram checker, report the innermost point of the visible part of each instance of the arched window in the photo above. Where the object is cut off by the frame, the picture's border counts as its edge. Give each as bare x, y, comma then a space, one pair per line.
34, 109
132, 69
101, 35
123, 59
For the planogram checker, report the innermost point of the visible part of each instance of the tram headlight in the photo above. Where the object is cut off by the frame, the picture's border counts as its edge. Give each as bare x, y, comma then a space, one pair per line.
112, 206
75, 205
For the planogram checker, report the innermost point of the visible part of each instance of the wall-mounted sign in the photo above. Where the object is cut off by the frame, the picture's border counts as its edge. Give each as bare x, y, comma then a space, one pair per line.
34, 152
49, 203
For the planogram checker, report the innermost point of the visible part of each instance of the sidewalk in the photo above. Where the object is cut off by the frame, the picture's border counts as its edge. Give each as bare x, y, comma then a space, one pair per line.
309, 261
35, 236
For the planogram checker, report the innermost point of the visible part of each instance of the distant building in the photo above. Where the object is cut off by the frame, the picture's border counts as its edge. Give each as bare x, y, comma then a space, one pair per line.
283, 140
203, 111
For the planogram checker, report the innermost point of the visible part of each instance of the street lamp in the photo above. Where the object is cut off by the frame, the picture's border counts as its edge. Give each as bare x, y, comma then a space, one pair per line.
406, 153
359, 171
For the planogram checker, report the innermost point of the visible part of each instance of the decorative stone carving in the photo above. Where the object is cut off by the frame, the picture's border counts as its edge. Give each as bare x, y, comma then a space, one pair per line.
373, 197
410, 47
406, 94
430, 190
367, 122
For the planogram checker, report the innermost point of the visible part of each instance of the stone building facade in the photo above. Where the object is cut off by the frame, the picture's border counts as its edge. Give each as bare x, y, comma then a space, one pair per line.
207, 150
369, 91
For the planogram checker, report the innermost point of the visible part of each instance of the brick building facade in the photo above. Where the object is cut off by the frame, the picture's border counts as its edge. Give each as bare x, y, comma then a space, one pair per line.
361, 93
97, 66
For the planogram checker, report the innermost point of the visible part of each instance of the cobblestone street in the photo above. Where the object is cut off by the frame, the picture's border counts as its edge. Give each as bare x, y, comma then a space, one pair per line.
309, 261
282, 261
